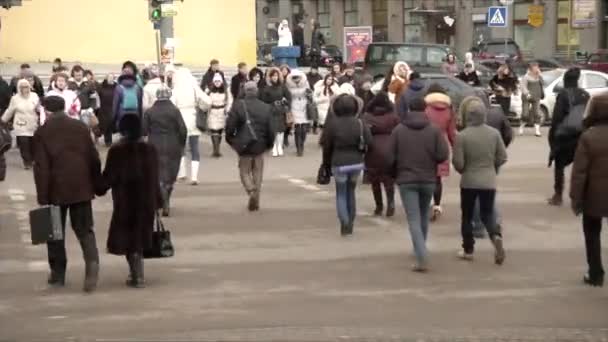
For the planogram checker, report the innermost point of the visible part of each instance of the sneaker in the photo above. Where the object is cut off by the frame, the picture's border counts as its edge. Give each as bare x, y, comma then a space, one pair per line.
419, 268
499, 254
465, 256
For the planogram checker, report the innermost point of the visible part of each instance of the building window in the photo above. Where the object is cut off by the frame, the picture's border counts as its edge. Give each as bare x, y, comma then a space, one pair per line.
523, 33
323, 17
482, 3
351, 13
567, 38
380, 20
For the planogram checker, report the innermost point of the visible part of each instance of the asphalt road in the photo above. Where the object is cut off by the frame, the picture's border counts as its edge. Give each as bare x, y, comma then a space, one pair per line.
285, 274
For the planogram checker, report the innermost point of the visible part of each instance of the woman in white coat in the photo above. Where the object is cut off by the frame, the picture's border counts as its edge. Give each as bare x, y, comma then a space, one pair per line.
301, 97
285, 38
188, 96
323, 95
23, 110
221, 100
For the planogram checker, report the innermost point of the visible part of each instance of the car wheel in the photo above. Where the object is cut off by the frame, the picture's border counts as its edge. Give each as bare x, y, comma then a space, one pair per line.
545, 113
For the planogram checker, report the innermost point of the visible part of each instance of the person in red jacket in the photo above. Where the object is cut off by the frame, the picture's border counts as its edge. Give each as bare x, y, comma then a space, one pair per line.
440, 113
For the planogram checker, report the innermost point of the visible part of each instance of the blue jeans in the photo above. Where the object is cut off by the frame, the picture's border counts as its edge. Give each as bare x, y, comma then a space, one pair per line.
416, 200
194, 149
346, 204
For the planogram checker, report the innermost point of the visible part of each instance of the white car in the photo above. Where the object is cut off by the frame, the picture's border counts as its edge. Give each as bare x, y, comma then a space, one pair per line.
592, 81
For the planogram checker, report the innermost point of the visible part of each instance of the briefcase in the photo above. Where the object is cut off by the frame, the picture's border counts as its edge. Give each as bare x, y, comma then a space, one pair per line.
45, 224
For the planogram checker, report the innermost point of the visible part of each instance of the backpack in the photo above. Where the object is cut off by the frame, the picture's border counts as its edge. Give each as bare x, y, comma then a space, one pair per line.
572, 125
130, 99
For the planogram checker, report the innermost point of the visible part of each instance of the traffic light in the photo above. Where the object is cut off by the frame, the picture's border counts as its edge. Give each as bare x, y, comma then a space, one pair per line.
154, 10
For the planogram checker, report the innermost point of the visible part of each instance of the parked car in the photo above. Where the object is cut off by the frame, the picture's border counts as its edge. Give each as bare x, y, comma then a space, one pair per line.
424, 58
501, 49
520, 67
456, 89
597, 61
592, 81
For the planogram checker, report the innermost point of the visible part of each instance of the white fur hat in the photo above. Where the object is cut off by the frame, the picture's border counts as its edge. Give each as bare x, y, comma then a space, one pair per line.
218, 77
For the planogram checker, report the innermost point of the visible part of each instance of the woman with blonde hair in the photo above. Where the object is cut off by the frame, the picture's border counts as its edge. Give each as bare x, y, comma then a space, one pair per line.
23, 110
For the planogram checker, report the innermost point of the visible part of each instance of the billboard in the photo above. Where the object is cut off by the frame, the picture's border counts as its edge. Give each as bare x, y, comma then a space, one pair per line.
356, 40
583, 13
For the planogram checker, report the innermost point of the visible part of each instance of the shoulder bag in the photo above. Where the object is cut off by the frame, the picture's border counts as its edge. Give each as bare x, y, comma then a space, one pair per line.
201, 115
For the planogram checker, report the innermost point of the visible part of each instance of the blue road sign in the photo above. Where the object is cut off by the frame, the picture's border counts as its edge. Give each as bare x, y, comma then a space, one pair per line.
497, 16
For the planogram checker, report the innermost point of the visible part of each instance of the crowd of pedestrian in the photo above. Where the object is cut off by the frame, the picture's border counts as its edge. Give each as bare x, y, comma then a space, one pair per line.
406, 137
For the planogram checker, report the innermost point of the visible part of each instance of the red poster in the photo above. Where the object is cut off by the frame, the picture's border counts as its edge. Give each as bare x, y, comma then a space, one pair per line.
356, 40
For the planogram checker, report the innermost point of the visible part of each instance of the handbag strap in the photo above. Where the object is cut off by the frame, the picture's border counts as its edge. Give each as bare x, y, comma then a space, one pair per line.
160, 227
247, 118
361, 137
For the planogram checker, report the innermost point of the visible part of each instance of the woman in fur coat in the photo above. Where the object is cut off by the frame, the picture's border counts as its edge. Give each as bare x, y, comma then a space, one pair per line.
301, 97
221, 100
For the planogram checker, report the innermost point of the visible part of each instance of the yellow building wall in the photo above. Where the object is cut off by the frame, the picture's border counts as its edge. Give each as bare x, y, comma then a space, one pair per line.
111, 31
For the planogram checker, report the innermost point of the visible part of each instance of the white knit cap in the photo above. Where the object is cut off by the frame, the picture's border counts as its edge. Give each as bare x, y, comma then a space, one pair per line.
218, 77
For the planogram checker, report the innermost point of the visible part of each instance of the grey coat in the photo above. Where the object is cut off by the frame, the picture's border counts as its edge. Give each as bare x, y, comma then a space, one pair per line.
479, 151
166, 130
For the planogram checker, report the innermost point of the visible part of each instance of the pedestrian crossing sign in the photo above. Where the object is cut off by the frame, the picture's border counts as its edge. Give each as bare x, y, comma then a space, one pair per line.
497, 16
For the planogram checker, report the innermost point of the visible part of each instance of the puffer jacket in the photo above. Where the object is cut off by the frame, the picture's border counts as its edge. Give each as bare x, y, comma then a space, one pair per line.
440, 114
300, 97
23, 112
221, 100
381, 120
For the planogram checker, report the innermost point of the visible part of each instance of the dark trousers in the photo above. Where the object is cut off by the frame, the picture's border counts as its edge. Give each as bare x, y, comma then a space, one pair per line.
505, 104
592, 227
438, 193
486, 210
26, 148
559, 178
166, 189
389, 188
301, 130
81, 218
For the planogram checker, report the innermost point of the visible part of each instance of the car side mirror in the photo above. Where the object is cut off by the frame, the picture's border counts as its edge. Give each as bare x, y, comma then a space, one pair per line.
557, 89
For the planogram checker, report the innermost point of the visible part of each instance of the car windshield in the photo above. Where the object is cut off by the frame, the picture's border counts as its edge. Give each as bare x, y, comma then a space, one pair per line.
499, 49
552, 75
391, 54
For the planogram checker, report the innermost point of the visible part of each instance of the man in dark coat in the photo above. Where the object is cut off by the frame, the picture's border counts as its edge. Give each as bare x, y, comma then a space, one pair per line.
589, 184
166, 130
563, 148
66, 171
239, 80
298, 40
27, 73
214, 67
251, 159
313, 77
415, 90
105, 113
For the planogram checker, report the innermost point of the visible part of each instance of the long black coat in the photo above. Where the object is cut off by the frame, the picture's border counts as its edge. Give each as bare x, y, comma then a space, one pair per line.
132, 173
261, 120
274, 93
106, 99
167, 131
563, 149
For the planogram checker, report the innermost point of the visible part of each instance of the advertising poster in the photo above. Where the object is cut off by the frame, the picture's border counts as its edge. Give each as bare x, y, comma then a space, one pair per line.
583, 13
356, 40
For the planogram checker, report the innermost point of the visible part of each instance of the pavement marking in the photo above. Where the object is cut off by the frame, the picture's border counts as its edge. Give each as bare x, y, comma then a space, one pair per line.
16, 192
21, 212
56, 317
17, 198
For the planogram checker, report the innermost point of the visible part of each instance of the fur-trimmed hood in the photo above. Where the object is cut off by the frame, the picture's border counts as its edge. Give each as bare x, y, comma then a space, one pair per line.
292, 85
396, 69
269, 72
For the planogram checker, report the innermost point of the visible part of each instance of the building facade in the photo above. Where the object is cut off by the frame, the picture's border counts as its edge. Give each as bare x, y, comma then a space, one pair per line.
110, 31
425, 21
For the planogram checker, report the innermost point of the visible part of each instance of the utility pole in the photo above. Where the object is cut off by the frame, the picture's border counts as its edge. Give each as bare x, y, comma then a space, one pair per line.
166, 26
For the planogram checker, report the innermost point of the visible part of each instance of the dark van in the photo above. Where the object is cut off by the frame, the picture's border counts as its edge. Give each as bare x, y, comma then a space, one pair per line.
424, 58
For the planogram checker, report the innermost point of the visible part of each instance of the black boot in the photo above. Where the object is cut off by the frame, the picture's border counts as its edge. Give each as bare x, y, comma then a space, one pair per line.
377, 192
216, 146
56, 279
91, 258
219, 146
390, 202
136, 271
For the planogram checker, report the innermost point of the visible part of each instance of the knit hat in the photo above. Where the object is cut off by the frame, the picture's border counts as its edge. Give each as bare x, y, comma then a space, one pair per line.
218, 77
251, 88
163, 93
53, 104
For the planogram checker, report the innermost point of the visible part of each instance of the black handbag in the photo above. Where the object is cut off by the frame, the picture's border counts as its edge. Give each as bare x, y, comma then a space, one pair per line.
161, 247
312, 113
45, 224
201, 116
324, 175
246, 135
6, 140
